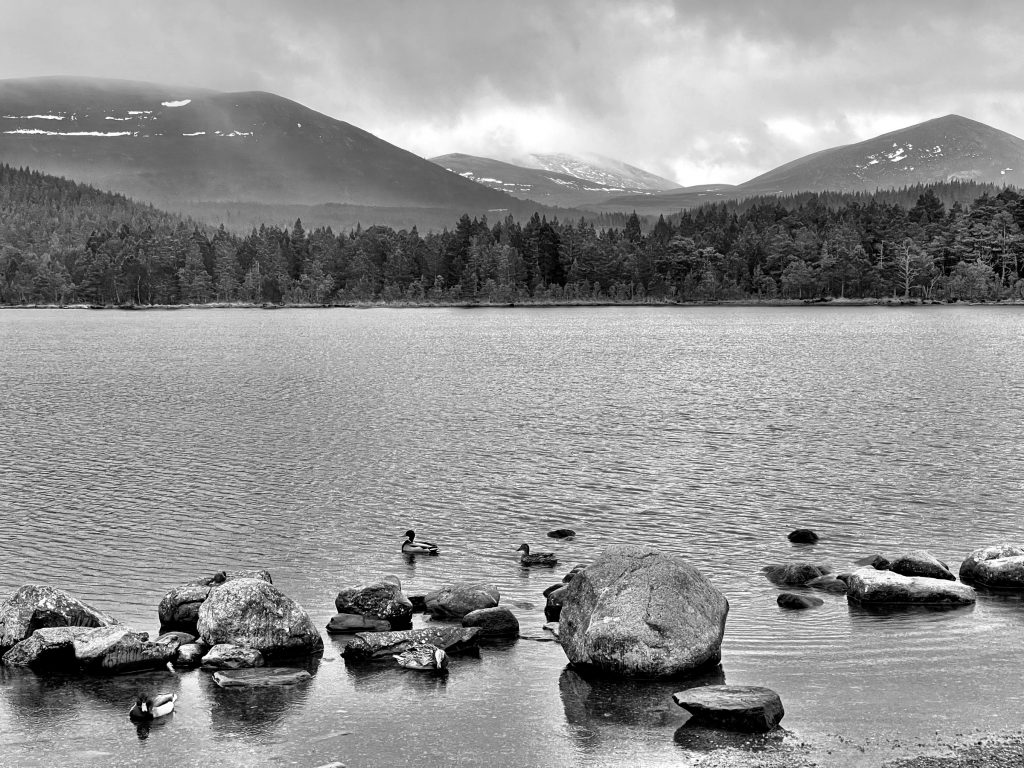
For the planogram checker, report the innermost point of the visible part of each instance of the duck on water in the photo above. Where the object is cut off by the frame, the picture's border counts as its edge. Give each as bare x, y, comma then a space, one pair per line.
412, 547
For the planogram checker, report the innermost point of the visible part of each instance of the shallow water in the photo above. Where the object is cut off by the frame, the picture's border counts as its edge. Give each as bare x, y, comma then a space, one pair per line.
143, 449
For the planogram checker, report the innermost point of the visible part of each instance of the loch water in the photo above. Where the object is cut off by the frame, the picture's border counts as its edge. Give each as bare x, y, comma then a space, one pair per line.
139, 450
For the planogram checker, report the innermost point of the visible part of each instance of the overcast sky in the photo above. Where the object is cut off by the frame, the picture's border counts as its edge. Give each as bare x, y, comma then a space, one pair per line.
704, 91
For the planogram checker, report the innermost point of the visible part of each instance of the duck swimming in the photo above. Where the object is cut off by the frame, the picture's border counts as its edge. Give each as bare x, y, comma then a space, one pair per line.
539, 558
412, 547
423, 656
150, 707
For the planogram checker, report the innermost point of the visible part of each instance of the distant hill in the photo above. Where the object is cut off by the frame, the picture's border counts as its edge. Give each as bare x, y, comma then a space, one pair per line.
182, 145
543, 186
939, 150
602, 170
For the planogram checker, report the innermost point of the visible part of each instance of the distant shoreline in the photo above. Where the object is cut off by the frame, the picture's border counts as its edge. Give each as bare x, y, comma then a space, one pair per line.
889, 302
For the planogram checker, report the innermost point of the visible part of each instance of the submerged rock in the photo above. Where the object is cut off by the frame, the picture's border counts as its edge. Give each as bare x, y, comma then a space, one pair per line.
794, 574
803, 536
920, 563
255, 614
179, 608
450, 638
40, 606
746, 708
636, 612
382, 600
873, 587
456, 600
493, 622
793, 601
562, 533
1000, 566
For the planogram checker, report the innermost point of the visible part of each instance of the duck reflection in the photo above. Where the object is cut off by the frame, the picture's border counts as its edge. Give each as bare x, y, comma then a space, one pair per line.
600, 708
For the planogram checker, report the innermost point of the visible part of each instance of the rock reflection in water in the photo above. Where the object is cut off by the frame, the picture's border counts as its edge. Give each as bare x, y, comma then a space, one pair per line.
251, 711
698, 738
599, 709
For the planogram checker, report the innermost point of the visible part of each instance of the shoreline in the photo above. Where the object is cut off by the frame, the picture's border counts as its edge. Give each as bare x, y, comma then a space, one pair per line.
866, 302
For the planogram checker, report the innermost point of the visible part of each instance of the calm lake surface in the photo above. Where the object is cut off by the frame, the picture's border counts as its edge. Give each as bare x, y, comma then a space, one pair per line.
139, 450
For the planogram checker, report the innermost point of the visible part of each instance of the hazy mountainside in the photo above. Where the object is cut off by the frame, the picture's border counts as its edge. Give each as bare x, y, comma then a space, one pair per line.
169, 145
602, 170
543, 186
946, 148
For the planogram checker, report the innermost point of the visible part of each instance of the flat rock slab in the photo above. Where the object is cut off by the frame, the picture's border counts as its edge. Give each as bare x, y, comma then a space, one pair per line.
871, 587
260, 678
747, 708
350, 623
365, 646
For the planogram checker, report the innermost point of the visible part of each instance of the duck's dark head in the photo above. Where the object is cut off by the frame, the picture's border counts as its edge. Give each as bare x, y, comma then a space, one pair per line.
140, 702
524, 548
219, 578
410, 534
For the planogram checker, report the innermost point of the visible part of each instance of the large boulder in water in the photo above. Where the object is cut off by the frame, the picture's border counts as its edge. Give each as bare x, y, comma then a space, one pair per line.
99, 650
1000, 566
638, 613
255, 614
871, 587
179, 609
918, 562
38, 606
454, 601
383, 600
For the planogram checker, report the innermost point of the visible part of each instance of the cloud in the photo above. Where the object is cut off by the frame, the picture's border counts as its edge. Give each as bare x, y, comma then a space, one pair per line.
700, 91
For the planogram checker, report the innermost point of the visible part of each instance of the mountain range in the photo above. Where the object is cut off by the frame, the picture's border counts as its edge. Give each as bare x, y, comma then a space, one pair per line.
252, 155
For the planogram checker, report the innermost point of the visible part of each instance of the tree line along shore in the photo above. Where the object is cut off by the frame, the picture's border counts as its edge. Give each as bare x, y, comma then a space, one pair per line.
63, 243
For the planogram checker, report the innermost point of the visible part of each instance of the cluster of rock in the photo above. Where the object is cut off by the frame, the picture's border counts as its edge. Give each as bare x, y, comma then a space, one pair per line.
228, 622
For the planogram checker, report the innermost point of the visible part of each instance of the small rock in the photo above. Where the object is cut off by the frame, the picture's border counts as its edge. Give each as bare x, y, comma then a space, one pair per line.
803, 536
456, 600
794, 601
920, 563
877, 562
829, 584
747, 708
226, 656
382, 599
572, 574
493, 622
553, 607
562, 533
190, 655
794, 574
176, 639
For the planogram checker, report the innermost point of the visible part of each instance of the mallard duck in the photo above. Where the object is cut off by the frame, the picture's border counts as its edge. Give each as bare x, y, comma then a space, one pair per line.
422, 656
150, 707
412, 547
539, 558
